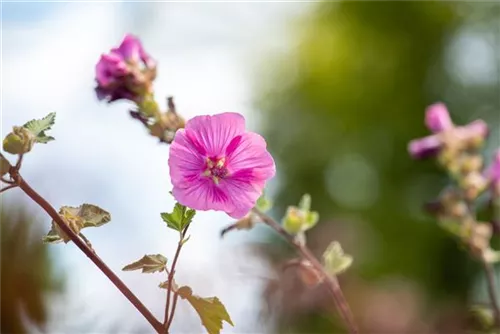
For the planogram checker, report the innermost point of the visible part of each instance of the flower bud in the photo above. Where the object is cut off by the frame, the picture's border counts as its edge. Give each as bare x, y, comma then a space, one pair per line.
437, 118
19, 141
126, 72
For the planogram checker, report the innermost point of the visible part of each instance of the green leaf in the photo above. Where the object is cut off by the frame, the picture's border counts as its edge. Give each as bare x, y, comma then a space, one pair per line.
335, 260
38, 127
148, 264
4, 165
264, 204
52, 237
305, 203
211, 311
77, 218
179, 218
311, 219
484, 315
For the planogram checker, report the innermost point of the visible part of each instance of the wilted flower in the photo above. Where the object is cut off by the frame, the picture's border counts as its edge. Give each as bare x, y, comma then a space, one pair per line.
125, 72
215, 164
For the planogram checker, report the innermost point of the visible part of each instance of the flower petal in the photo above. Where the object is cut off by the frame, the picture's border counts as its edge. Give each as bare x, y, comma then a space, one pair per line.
249, 158
214, 133
130, 48
424, 147
437, 118
185, 162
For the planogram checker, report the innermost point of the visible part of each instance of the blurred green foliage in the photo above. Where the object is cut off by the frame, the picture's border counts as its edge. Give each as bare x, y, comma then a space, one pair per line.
28, 276
339, 108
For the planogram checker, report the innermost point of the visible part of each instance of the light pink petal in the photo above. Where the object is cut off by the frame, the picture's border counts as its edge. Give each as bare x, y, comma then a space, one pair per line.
242, 195
203, 194
130, 48
212, 134
437, 118
248, 158
425, 147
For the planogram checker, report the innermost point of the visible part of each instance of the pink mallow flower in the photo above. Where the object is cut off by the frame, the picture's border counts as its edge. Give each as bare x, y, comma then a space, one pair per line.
215, 164
123, 72
438, 120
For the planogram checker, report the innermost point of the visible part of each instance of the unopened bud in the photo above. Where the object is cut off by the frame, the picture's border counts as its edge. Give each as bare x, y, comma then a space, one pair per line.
19, 141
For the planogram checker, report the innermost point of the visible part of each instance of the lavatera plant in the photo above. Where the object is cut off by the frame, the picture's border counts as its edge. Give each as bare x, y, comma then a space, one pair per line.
215, 163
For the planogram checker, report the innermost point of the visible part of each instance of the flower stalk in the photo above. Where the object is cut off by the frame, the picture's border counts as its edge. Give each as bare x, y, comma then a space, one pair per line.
90, 253
331, 280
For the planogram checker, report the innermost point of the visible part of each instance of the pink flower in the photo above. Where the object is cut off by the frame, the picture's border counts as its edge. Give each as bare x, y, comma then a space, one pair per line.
215, 164
124, 72
437, 118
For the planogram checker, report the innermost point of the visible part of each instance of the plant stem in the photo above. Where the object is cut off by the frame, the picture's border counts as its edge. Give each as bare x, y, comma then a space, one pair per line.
168, 318
87, 251
332, 282
490, 278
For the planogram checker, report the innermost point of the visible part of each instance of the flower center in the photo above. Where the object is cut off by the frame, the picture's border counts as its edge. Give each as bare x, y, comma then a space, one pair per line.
216, 169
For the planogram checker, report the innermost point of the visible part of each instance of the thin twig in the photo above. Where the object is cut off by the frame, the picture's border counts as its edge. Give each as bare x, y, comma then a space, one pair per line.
490, 278
7, 181
332, 282
174, 304
8, 187
19, 162
169, 317
89, 252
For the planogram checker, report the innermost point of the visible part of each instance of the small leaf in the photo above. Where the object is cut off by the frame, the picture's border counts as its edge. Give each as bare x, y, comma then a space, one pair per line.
305, 203
77, 218
264, 204
211, 311
335, 260
312, 218
38, 127
93, 216
148, 264
4, 165
179, 218
52, 237
484, 315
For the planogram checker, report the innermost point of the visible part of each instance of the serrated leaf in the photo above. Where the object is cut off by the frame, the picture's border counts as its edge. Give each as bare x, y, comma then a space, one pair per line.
148, 264
38, 127
179, 218
335, 260
211, 311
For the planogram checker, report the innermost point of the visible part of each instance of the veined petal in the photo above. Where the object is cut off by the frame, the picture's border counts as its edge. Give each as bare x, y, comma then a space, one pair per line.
249, 158
214, 133
185, 162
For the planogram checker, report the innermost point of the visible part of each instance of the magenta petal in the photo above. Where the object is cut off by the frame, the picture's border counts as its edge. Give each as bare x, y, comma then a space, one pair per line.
214, 133
437, 118
424, 147
130, 48
250, 157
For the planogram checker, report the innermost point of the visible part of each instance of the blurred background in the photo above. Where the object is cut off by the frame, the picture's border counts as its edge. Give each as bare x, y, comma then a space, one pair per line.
337, 89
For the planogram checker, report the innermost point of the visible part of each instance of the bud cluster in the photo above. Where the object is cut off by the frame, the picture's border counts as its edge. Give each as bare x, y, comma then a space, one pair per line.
457, 150
127, 73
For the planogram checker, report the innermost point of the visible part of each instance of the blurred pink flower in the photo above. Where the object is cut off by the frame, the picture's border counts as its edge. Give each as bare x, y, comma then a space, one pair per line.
437, 118
120, 73
493, 171
215, 164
